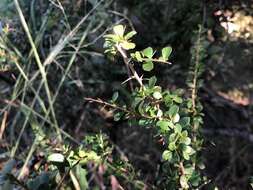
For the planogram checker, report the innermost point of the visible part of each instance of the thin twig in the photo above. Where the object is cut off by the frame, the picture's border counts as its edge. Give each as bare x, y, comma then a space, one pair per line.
99, 101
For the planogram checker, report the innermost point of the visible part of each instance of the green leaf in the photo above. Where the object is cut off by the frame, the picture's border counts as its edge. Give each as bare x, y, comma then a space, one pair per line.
144, 122
127, 45
82, 154
148, 66
56, 157
177, 99
141, 107
195, 179
157, 95
178, 128
81, 175
152, 82
119, 30
173, 137
185, 121
167, 155
188, 150
172, 146
148, 52
171, 125
184, 134
189, 104
138, 56
166, 53
115, 96
173, 110
188, 170
130, 35
163, 124
186, 140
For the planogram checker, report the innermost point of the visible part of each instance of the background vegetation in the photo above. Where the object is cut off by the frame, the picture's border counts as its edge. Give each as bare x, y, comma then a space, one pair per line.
52, 58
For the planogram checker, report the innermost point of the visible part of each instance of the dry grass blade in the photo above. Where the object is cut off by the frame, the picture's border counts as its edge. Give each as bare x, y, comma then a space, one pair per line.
3, 125
62, 42
40, 66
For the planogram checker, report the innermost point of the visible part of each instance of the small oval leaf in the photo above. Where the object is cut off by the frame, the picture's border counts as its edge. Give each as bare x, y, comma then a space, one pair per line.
166, 53
148, 66
56, 157
167, 155
148, 52
157, 95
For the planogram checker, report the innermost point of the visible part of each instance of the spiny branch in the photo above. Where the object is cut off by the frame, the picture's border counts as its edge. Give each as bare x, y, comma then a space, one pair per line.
129, 65
99, 101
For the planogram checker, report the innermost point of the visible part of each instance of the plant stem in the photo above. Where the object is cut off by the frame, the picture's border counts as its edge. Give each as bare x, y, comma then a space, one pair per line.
99, 101
157, 60
129, 65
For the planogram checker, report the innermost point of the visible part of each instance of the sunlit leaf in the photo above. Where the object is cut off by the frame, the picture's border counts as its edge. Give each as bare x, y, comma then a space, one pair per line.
176, 118
186, 140
127, 45
138, 56
119, 30
130, 35
56, 157
81, 153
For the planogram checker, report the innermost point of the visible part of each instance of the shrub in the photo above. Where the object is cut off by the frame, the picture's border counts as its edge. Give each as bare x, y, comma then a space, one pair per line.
174, 117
